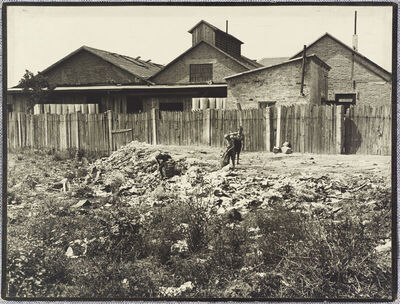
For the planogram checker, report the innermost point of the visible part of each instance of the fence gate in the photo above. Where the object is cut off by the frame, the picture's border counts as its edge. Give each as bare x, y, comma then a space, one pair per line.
367, 130
121, 138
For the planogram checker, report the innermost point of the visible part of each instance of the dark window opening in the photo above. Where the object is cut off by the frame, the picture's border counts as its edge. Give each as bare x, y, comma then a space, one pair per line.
91, 99
134, 105
266, 104
171, 106
201, 72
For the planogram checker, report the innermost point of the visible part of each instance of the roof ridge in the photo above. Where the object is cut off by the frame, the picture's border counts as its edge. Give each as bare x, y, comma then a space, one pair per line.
349, 48
192, 47
134, 60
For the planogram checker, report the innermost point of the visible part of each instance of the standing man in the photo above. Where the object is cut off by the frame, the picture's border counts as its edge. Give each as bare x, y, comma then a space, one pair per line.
239, 142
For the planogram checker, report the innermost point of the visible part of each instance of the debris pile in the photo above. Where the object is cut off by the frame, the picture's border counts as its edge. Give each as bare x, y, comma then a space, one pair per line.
132, 173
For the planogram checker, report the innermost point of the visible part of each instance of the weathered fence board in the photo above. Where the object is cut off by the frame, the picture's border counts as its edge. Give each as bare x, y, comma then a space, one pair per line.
309, 129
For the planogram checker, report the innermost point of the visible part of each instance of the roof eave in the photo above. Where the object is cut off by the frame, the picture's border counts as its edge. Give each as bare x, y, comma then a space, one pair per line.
312, 57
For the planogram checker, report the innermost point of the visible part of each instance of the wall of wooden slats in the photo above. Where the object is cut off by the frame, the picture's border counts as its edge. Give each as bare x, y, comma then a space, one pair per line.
309, 129
368, 130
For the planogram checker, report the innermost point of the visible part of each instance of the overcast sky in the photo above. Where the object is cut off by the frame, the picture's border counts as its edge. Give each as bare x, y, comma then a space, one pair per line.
40, 36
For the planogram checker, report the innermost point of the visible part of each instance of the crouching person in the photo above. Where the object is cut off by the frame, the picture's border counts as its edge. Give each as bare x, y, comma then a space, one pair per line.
229, 154
163, 159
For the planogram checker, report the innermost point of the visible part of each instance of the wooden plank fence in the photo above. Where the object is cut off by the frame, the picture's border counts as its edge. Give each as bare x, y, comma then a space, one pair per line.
65, 108
309, 128
368, 130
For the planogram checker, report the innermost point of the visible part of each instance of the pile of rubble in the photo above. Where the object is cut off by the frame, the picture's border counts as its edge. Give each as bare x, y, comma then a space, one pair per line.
133, 175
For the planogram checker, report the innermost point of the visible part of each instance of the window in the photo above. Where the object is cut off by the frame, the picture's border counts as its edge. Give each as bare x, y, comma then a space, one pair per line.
134, 105
200, 72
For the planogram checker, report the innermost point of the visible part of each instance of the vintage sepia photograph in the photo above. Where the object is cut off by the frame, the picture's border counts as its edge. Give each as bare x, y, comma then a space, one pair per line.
202, 152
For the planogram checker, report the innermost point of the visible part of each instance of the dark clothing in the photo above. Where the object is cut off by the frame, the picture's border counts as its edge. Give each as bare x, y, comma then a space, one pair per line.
162, 159
229, 154
238, 143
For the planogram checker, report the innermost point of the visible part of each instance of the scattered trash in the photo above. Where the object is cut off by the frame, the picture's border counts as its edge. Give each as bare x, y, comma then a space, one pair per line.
176, 291
385, 247
287, 148
82, 203
276, 150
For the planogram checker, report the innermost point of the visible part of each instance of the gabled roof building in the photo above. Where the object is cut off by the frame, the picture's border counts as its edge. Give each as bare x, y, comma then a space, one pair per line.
280, 84
128, 84
353, 78
213, 66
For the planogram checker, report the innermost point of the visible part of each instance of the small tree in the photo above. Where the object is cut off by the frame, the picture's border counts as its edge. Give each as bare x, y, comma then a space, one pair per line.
36, 86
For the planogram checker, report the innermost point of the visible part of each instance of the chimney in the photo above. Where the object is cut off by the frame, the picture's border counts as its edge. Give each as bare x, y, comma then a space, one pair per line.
355, 37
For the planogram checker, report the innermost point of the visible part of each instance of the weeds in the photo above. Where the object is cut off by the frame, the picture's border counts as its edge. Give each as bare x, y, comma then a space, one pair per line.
271, 252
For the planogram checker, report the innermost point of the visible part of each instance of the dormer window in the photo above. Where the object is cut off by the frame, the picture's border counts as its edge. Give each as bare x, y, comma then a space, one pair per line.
201, 72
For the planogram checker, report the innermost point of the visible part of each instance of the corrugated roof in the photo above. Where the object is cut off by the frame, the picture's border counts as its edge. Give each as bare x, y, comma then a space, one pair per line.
272, 60
140, 68
312, 57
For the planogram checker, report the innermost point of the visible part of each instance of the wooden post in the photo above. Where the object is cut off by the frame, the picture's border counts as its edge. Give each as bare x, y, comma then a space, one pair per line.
339, 129
278, 126
110, 140
209, 126
76, 114
206, 132
154, 113
303, 68
45, 130
32, 130
268, 128
19, 130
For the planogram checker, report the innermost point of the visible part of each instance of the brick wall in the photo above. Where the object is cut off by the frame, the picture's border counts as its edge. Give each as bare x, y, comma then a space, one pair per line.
178, 72
370, 88
84, 68
280, 84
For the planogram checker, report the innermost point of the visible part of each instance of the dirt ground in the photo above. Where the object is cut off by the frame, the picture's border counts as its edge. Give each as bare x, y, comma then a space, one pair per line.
259, 162
270, 163
340, 189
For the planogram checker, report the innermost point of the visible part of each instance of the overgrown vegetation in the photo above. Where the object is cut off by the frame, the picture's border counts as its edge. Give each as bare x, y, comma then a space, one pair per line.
37, 87
185, 248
